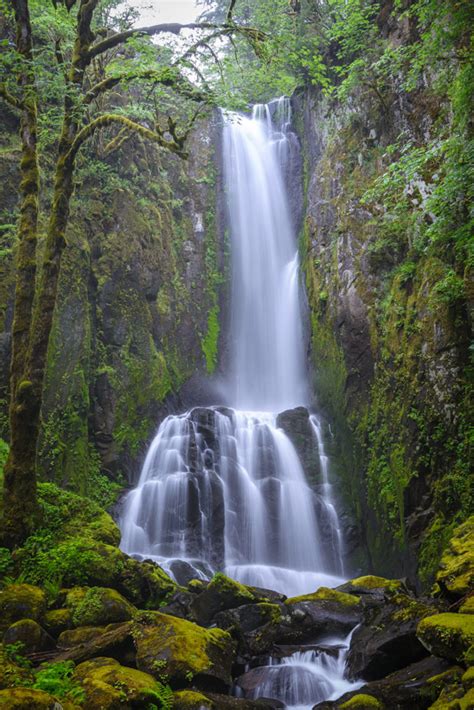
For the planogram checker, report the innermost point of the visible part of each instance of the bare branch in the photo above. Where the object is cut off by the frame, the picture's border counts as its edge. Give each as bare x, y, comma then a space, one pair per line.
230, 10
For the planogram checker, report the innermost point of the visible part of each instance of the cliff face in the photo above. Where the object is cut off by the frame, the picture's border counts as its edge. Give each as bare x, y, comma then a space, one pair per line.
390, 325
138, 308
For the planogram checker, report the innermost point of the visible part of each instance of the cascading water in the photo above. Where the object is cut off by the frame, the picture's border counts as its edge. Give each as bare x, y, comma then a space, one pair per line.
224, 489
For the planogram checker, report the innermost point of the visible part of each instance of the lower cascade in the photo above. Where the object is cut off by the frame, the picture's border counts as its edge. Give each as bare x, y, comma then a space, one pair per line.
224, 489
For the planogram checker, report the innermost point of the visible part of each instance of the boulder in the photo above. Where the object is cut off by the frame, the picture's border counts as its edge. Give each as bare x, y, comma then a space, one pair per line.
456, 571
108, 685
90, 642
447, 635
254, 626
184, 651
193, 700
326, 611
21, 601
29, 699
98, 606
386, 640
220, 594
297, 426
57, 620
30, 634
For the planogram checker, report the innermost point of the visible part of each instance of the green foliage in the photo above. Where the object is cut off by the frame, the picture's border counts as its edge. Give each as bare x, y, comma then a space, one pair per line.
57, 680
15, 653
210, 341
6, 562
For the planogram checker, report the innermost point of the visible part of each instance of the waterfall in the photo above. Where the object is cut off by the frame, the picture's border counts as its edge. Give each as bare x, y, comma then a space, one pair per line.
267, 344
224, 488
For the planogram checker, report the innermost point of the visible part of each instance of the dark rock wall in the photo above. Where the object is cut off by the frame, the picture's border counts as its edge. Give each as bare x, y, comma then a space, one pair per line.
138, 311
389, 359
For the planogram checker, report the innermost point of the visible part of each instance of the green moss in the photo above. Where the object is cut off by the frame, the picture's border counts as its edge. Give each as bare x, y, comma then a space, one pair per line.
326, 594
447, 635
362, 702
210, 341
21, 601
191, 700
456, 569
98, 606
227, 586
373, 582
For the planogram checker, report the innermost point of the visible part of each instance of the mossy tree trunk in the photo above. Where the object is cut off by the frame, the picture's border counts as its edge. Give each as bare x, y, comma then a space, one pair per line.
32, 330
20, 480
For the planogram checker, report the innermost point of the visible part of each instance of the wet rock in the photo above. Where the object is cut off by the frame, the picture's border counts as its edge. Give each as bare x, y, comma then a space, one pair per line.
21, 601
30, 634
416, 686
296, 425
313, 615
184, 651
254, 626
220, 594
108, 685
447, 635
296, 685
386, 640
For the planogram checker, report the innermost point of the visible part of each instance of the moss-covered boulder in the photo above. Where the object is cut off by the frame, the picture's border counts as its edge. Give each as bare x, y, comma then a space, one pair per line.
30, 634
11, 673
323, 612
326, 594
21, 601
108, 686
194, 700
456, 571
361, 701
98, 606
56, 621
370, 584
220, 594
29, 699
184, 651
90, 642
447, 635
467, 607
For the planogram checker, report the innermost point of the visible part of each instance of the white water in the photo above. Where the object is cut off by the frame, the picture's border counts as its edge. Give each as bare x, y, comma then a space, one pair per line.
223, 489
304, 678
267, 344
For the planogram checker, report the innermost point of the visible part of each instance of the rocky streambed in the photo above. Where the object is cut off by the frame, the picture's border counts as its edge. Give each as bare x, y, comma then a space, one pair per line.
119, 633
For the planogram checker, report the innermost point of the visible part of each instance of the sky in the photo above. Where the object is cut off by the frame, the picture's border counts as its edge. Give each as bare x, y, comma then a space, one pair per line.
156, 11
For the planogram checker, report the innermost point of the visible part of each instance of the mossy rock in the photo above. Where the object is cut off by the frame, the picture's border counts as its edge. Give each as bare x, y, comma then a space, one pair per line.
184, 651
98, 606
57, 620
372, 582
28, 699
221, 593
447, 635
11, 674
456, 572
191, 700
89, 642
468, 677
362, 702
30, 634
21, 601
326, 594
468, 606
453, 698
108, 685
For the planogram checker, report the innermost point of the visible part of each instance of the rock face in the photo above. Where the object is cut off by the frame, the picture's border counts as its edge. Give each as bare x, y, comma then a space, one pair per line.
389, 353
138, 308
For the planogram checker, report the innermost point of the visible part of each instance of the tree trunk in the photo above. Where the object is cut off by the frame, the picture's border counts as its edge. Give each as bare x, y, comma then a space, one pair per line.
20, 505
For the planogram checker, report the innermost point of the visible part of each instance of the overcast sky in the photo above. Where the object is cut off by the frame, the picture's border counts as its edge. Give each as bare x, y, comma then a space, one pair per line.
156, 11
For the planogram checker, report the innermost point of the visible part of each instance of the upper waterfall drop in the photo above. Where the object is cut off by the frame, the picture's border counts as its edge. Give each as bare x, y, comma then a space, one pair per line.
268, 363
